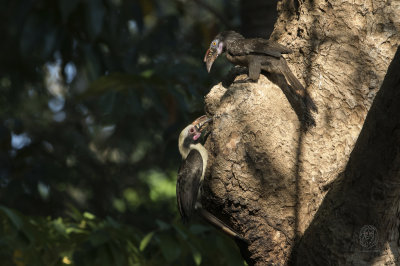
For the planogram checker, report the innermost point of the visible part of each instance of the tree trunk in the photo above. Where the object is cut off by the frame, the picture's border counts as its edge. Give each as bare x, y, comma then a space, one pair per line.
269, 179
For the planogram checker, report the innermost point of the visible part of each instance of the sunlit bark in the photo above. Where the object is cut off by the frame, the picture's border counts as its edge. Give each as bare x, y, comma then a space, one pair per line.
268, 177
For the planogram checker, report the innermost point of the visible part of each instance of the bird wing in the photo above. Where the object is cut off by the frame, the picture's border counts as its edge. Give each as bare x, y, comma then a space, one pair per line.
188, 183
256, 46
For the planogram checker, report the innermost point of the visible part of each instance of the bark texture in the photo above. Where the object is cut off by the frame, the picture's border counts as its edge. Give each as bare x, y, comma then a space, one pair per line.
367, 193
267, 177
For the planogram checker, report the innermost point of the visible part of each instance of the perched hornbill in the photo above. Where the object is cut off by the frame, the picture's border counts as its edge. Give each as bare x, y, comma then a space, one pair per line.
191, 175
193, 167
257, 54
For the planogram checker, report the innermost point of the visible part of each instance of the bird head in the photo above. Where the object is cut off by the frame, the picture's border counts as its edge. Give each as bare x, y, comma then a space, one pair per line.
191, 134
216, 48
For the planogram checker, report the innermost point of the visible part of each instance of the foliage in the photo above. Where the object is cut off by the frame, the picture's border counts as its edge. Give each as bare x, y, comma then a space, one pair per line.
84, 239
93, 96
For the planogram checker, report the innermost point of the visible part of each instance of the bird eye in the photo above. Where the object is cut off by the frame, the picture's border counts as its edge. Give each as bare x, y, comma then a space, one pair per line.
214, 43
191, 130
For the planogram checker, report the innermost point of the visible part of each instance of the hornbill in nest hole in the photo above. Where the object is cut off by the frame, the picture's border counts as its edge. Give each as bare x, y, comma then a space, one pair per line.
191, 175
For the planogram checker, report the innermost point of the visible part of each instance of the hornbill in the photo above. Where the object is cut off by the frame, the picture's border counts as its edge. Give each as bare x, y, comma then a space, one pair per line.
257, 54
191, 174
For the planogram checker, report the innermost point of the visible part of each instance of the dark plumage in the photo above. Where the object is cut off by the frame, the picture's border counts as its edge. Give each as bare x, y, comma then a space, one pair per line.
193, 167
257, 54
188, 184
191, 175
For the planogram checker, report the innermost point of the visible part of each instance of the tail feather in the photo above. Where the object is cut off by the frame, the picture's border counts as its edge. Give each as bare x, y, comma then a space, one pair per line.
219, 224
297, 86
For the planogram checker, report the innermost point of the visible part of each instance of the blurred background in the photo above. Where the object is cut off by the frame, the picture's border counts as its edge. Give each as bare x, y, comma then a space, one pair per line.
93, 97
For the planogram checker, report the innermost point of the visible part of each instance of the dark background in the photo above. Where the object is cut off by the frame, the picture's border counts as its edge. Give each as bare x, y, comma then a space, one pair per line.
93, 97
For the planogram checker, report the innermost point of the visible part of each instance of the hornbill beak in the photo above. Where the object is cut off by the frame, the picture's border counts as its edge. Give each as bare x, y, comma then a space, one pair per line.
200, 122
210, 57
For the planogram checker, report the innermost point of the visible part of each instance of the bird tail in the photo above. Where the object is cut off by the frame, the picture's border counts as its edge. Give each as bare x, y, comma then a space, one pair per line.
220, 225
297, 86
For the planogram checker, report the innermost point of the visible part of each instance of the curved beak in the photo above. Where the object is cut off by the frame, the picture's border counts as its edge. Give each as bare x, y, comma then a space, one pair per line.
200, 122
210, 57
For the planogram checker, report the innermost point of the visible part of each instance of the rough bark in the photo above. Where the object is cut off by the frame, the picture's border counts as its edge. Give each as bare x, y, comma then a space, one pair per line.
367, 193
267, 177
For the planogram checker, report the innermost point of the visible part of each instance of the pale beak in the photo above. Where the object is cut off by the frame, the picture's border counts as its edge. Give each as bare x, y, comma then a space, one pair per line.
200, 122
210, 57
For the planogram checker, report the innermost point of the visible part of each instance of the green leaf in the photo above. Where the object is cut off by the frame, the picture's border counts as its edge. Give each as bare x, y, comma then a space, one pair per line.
169, 248
162, 225
132, 197
147, 73
14, 217
197, 257
119, 205
113, 223
59, 226
88, 215
74, 230
145, 241
180, 232
198, 229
